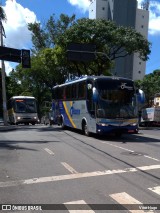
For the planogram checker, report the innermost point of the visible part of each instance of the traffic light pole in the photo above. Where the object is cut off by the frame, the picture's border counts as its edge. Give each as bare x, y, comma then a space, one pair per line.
3, 81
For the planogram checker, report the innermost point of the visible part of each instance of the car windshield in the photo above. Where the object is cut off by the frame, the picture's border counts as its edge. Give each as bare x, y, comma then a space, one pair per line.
116, 100
25, 106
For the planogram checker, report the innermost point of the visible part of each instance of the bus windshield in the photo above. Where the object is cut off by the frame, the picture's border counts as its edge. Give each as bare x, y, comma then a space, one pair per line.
116, 100
25, 106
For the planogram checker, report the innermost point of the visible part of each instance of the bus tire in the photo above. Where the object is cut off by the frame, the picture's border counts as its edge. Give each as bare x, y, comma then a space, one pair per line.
85, 129
63, 126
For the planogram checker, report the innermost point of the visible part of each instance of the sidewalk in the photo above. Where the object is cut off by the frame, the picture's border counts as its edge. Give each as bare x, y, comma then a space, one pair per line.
7, 128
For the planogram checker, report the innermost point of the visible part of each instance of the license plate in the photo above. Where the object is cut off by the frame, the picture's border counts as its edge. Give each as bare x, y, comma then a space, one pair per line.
131, 131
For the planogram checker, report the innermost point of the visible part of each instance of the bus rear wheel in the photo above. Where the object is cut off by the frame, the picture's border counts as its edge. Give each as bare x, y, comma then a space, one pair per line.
85, 129
63, 124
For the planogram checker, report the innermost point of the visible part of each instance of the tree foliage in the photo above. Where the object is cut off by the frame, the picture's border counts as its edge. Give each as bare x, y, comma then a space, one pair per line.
110, 40
150, 85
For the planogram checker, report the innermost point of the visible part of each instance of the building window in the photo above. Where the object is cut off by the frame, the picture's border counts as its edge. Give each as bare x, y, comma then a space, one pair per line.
103, 8
139, 72
142, 26
140, 63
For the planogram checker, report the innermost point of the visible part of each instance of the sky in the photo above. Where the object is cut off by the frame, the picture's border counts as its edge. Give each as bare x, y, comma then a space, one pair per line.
21, 12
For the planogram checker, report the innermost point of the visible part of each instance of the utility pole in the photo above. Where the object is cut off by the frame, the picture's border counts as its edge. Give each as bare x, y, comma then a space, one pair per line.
3, 80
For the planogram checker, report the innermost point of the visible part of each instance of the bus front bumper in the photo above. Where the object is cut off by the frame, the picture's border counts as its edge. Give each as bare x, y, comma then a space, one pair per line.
21, 119
117, 129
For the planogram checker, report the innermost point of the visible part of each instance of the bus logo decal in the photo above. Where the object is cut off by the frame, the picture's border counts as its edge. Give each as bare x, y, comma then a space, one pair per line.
74, 111
124, 86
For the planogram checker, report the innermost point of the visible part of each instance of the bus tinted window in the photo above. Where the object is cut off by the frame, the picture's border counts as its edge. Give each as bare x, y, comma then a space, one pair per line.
60, 93
68, 91
82, 90
74, 91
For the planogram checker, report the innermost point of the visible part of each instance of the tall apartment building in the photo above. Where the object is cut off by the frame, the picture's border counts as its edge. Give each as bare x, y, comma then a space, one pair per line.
124, 13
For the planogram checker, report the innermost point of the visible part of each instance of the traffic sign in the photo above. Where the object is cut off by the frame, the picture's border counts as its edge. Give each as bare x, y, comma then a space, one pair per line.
10, 54
81, 52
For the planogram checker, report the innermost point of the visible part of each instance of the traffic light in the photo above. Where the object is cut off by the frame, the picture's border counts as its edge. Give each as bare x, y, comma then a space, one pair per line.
26, 61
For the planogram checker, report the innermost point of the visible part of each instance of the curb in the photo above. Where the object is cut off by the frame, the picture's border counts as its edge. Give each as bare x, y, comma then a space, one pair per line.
148, 128
7, 128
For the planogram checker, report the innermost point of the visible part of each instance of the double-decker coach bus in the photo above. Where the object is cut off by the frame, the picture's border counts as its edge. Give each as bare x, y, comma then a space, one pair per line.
22, 110
98, 104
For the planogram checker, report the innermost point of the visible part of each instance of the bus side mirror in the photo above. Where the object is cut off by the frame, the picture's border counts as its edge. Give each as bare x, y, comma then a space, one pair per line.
141, 96
95, 95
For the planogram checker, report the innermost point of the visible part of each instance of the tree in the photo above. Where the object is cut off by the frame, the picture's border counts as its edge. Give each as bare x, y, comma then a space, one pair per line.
113, 41
150, 86
44, 36
40, 79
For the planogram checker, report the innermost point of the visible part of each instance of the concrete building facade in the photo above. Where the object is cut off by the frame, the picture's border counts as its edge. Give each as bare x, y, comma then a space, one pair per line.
124, 13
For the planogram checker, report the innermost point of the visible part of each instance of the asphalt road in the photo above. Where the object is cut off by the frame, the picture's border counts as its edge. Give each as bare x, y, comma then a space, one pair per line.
65, 169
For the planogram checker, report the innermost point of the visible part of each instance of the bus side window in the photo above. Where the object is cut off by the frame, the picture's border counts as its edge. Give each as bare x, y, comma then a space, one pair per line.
68, 92
90, 104
74, 91
82, 90
60, 93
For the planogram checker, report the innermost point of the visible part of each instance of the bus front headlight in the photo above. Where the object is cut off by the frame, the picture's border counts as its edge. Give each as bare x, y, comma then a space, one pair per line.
133, 124
18, 118
35, 117
102, 124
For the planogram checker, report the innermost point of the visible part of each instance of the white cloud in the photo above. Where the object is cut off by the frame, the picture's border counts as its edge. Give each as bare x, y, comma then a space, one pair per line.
81, 4
16, 30
154, 22
17, 34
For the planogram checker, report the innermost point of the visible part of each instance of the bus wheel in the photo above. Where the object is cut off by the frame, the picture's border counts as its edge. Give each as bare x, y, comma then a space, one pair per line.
85, 129
63, 124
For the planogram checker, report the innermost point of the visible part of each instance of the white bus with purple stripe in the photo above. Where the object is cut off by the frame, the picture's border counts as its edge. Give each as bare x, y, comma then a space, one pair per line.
98, 104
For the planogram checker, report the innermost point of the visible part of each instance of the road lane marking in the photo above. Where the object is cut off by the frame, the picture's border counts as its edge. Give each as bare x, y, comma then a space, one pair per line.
125, 199
49, 151
77, 202
76, 176
118, 146
146, 156
155, 189
69, 168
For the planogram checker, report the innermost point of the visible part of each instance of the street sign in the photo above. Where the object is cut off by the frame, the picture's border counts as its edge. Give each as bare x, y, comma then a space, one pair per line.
10, 54
81, 52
